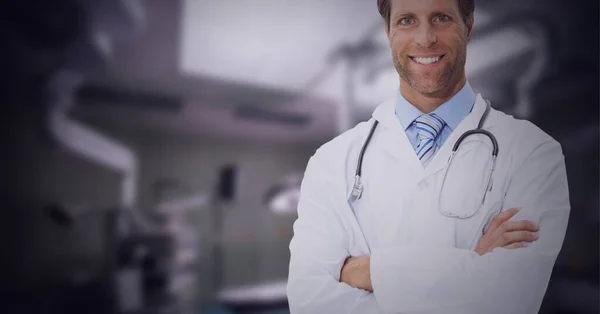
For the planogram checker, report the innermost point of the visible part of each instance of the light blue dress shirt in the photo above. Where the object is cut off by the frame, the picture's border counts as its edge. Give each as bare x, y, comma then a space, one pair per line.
452, 112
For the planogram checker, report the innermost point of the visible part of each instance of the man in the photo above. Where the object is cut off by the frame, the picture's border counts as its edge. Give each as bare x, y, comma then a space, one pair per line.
506, 271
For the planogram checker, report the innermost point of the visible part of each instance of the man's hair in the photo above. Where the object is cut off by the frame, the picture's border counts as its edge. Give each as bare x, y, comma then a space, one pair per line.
466, 7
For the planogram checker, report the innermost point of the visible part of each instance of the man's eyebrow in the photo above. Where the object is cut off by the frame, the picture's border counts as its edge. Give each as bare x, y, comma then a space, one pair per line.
398, 15
436, 13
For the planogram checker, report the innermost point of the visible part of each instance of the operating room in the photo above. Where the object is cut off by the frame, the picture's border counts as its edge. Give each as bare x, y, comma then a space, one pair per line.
155, 149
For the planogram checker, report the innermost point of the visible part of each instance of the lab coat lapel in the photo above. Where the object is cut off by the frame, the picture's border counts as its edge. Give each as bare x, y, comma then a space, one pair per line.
395, 141
470, 122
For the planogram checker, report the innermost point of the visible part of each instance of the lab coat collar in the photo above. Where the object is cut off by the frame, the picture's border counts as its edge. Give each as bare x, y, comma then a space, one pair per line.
394, 133
396, 142
384, 113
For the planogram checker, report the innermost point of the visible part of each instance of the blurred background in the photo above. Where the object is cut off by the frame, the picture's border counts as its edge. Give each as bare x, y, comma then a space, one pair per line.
155, 148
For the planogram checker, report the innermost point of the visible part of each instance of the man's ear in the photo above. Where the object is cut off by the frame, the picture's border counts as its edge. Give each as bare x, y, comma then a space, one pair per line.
386, 26
470, 22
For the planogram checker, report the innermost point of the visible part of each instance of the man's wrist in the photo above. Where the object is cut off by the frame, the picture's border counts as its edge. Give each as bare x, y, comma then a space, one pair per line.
356, 272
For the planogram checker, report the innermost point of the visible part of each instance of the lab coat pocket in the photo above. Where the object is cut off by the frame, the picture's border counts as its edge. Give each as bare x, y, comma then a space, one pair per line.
464, 183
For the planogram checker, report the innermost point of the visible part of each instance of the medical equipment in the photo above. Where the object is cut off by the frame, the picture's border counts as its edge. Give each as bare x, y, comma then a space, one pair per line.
358, 188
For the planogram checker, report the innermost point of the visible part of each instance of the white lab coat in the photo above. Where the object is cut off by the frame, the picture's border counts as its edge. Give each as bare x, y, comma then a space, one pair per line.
421, 261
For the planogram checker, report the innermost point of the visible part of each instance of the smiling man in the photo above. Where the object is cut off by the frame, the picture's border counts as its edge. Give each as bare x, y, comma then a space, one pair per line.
397, 245
429, 47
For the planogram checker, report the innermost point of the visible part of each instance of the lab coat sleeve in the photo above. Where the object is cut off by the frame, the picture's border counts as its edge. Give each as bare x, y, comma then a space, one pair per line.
416, 279
318, 251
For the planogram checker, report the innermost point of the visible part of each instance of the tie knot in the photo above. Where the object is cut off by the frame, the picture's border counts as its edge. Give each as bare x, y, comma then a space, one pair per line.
429, 126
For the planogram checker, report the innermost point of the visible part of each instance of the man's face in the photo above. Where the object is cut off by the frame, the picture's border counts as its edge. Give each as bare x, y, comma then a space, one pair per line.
429, 44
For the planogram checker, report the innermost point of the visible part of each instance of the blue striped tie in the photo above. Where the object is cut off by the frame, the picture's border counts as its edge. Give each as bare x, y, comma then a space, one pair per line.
428, 127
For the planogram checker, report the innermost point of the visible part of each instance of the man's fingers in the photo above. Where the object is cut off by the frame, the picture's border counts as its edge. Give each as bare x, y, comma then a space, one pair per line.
512, 226
508, 234
516, 245
519, 225
509, 238
501, 218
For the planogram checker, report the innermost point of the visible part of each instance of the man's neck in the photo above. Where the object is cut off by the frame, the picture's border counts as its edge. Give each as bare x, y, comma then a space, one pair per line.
429, 103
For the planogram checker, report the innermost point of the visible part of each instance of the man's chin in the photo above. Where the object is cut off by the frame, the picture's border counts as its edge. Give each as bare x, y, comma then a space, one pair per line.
429, 88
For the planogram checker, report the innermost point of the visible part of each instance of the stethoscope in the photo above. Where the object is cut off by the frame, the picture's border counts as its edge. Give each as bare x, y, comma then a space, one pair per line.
358, 188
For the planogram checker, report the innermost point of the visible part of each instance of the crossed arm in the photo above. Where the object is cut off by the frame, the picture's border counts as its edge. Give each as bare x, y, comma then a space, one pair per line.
412, 279
503, 233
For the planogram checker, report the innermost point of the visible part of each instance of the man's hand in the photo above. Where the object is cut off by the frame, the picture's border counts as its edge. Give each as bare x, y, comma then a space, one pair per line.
507, 234
356, 272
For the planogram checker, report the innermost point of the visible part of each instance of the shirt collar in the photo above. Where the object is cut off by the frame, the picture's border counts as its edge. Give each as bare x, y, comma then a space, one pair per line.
452, 111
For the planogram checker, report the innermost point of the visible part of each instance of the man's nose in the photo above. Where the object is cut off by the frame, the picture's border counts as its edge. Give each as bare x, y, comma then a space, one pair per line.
425, 36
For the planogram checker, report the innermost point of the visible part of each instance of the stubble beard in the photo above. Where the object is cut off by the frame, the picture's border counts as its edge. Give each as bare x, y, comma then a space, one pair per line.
424, 83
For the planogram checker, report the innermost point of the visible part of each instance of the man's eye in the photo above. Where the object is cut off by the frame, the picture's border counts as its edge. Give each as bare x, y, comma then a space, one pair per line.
442, 19
406, 21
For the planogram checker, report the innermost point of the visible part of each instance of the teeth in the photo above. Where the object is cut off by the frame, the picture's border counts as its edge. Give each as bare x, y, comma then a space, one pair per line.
427, 60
